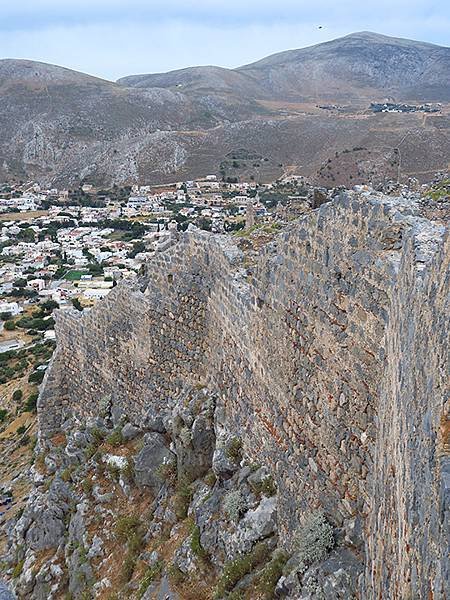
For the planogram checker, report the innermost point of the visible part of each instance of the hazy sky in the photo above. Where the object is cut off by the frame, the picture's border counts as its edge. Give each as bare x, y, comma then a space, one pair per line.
112, 38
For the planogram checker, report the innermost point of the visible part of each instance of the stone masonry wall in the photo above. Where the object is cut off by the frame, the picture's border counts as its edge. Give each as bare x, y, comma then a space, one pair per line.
327, 358
410, 518
133, 351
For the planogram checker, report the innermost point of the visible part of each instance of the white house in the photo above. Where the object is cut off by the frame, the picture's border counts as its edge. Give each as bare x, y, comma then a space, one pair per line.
10, 307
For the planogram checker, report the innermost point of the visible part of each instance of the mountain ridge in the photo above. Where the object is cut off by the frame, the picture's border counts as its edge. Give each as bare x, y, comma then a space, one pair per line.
259, 83
61, 125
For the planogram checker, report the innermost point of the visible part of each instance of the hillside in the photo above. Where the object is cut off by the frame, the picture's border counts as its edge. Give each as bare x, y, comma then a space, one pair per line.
60, 126
200, 80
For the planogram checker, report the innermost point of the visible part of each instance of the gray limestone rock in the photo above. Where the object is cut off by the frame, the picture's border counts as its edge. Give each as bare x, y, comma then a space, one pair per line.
184, 558
147, 462
203, 437
96, 548
100, 497
257, 478
354, 532
5, 592
256, 525
79, 568
287, 586
80, 439
74, 454
335, 578
210, 526
48, 580
195, 448
150, 558
27, 578
154, 421
50, 464
222, 466
118, 415
161, 591
42, 524
129, 431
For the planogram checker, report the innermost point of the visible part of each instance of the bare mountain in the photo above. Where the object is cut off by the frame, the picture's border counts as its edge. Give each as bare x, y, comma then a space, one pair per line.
201, 80
61, 126
360, 65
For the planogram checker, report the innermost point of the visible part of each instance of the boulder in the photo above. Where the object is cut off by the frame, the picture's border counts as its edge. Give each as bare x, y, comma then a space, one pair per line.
256, 525
118, 414
337, 577
161, 590
203, 438
258, 476
195, 449
222, 466
43, 521
80, 439
150, 558
129, 431
96, 548
184, 558
74, 455
147, 462
206, 517
100, 497
154, 421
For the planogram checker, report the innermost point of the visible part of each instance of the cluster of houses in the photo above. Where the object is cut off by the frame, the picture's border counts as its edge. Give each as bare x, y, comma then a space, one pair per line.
396, 107
205, 198
57, 269
73, 253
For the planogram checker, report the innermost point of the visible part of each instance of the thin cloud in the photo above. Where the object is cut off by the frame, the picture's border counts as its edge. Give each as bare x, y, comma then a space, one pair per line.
32, 14
110, 38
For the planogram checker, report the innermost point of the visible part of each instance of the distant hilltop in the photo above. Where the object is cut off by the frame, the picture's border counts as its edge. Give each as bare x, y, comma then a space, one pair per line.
59, 125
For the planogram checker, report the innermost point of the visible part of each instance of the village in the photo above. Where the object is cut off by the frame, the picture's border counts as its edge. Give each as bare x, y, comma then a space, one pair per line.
71, 247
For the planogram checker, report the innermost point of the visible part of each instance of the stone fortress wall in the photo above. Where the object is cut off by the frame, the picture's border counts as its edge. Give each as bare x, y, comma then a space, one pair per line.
328, 360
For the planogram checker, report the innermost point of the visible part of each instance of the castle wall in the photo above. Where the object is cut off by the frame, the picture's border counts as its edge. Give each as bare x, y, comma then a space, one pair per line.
134, 351
327, 357
410, 517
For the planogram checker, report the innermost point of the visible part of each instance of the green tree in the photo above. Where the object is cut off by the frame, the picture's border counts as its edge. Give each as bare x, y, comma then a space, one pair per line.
49, 305
26, 235
36, 377
20, 283
77, 304
17, 395
137, 247
30, 405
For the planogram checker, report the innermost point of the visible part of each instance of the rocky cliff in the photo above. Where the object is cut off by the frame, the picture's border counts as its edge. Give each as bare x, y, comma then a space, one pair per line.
323, 360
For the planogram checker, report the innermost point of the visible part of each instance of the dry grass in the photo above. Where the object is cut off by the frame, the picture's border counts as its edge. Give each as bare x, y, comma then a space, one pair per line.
23, 420
23, 216
15, 460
